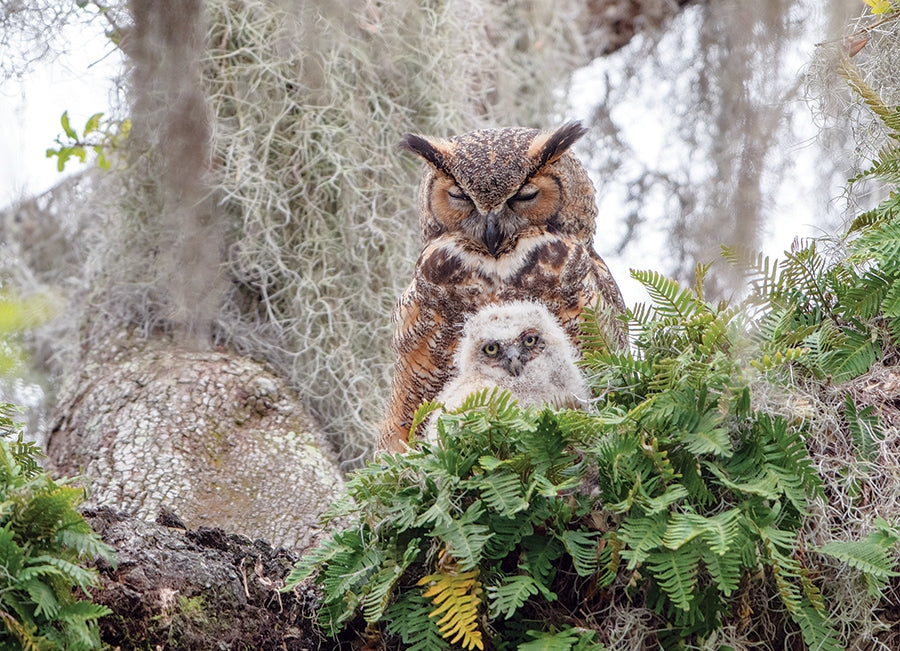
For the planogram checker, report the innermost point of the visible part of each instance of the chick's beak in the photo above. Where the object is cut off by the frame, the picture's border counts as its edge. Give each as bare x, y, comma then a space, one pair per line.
513, 363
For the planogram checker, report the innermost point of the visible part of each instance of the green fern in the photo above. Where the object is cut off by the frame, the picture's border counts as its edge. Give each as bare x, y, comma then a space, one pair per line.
680, 490
43, 543
572, 639
675, 570
872, 556
507, 598
408, 619
865, 429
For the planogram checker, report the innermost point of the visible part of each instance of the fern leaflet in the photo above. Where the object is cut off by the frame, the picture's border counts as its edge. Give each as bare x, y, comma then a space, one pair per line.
676, 573
457, 596
506, 598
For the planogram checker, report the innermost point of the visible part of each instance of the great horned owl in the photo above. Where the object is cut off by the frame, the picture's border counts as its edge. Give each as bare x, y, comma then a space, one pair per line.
521, 347
505, 214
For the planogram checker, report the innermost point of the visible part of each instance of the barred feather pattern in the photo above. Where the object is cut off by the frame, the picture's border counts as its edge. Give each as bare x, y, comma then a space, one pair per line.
543, 251
452, 283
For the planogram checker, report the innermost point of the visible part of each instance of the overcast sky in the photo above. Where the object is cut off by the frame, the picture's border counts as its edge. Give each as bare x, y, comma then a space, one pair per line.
30, 110
80, 83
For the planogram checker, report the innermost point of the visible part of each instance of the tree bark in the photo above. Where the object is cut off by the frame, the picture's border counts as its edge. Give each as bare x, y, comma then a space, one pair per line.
215, 437
175, 589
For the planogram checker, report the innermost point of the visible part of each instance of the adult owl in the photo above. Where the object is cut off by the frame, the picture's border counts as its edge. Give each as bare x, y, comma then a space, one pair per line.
517, 346
505, 214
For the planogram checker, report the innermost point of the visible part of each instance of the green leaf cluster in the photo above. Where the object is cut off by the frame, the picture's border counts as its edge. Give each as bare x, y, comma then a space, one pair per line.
43, 541
103, 137
704, 489
17, 315
674, 491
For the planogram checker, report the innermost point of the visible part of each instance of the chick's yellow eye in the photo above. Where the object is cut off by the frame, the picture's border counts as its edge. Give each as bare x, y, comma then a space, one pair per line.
491, 349
530, 341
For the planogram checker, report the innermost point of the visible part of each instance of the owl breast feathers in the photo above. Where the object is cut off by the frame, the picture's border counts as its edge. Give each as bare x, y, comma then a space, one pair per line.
518, 346
506, 214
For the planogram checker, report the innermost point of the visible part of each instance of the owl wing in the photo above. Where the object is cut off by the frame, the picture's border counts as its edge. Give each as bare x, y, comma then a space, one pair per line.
428, 325
567, 276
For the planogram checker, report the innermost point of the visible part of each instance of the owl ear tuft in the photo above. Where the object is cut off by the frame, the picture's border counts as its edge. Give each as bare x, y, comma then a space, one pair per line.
425, 148
549, 147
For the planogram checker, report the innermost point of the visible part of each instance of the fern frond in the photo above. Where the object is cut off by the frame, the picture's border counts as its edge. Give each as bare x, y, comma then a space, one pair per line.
805, 271
502, 491
888, 210
595, 326
23, 636
725, 570
788, 459
641, 535
881, 243
83, 578
439, 513
718, 531
509, 532
539, 556
408, 618
583, 548
378, 591
864, 297
676, 573
865, 429
78, 536
700, 271
670, 300
457, 596
865, 555
763, 483
661, 503
571, 639
817, 630
43, 596
890, 304
421, 415
707, 436
464, 537
853, 356
511, 594
885, 167
764, 277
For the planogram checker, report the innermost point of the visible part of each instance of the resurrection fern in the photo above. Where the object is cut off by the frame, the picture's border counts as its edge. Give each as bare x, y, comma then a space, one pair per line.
43, 540
679, 491
672, 489
871, 556
457, 597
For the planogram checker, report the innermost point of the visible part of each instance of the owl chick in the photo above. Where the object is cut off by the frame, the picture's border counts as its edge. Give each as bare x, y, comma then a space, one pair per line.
505, 214
517, 346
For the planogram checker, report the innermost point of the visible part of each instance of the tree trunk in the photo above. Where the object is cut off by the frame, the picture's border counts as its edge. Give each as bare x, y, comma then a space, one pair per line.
206, 589
215, 437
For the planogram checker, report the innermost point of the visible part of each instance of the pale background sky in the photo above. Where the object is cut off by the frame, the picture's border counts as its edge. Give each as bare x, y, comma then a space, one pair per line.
30, 110
80, 83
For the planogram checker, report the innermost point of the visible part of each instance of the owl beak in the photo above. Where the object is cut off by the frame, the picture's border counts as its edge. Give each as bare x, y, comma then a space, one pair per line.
513, 363
493, 237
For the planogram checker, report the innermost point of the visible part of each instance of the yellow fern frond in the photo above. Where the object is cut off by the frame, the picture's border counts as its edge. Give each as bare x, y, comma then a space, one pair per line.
457, 597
